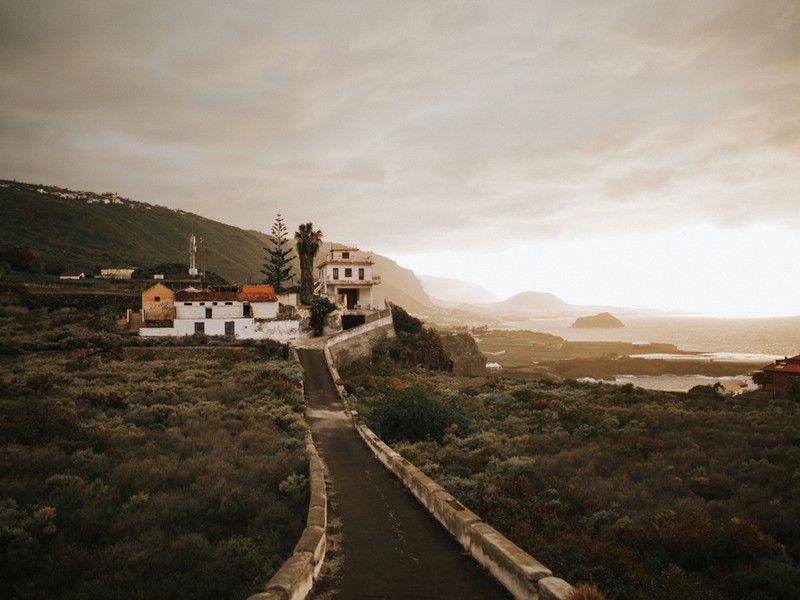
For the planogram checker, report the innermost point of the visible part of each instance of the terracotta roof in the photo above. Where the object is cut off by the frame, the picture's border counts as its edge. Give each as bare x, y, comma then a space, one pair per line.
257, 289
782, 367
187, 296
263, 297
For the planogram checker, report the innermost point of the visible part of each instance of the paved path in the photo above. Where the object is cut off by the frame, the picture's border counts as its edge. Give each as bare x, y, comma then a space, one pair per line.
382, 542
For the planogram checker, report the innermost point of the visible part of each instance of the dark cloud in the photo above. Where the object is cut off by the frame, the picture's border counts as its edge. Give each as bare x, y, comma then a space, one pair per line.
438, 124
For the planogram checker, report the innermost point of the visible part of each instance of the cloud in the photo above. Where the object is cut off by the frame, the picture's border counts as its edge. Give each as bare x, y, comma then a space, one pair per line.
402, 126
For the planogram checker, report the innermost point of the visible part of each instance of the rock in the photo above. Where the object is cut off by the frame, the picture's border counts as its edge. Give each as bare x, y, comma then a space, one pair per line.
602, 321
463, 351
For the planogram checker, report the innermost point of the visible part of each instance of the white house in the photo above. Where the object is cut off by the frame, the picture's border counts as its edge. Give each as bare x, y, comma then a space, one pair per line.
241, 312
346, 274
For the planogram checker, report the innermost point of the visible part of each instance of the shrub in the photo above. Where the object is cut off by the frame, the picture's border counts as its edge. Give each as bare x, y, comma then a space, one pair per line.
585, 591
415, 413
321, 307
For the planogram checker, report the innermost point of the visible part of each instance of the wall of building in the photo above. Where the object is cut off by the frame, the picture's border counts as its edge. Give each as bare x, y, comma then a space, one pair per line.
280, 331
197, 310
244, 328
264, 310
161, 309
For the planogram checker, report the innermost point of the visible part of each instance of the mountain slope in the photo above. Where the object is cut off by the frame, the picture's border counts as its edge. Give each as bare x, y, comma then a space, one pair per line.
84, 231
455, 290
540, 303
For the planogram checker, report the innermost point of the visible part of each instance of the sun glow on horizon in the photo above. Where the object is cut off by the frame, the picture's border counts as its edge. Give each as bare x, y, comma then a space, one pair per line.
702, 269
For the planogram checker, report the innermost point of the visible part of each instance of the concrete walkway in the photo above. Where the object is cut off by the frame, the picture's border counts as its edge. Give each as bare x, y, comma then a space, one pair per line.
381, 542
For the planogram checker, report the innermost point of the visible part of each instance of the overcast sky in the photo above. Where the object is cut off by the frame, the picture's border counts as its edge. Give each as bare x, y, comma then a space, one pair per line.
643, 153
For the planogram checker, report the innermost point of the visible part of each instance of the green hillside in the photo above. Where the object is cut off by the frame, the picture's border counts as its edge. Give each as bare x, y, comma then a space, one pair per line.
85, 231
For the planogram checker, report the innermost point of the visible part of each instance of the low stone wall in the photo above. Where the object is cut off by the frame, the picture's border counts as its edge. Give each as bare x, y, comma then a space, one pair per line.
521, 574
296, 577
359, 342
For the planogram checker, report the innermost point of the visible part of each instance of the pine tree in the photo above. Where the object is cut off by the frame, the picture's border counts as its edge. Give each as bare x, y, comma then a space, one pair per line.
278, 267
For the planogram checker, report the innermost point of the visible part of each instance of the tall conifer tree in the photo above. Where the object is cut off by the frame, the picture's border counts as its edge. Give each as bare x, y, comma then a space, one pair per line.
278, 267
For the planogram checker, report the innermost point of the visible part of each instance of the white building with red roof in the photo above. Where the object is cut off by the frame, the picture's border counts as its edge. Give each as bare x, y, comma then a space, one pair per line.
247, 312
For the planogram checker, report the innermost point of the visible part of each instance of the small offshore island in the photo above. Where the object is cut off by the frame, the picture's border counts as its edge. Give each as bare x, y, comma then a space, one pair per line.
603, 320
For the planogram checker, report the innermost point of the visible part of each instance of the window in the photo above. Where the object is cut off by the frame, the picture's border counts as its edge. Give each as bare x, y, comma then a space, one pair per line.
187, 303
345, 255
202, 304
199, 327
213, 303
157, 299
247, 310
208, 313
227, 303
361, 274
348, 273
335, 272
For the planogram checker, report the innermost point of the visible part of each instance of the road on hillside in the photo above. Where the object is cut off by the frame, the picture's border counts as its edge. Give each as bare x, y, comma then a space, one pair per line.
381, 542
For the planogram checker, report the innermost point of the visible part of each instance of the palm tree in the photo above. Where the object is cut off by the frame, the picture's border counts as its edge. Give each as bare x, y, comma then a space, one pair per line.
308, 242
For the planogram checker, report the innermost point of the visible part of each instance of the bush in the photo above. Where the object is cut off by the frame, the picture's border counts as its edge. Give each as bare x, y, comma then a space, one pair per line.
180, 476
414, 414
585, 591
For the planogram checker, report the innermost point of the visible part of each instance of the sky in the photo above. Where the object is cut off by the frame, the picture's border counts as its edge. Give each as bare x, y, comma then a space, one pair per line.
640, 153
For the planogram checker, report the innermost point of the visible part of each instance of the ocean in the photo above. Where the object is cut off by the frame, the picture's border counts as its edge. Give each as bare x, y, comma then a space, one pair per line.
743, 340
766, 337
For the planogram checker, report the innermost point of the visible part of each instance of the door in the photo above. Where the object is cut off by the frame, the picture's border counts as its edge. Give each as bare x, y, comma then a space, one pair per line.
229, 330
351, 298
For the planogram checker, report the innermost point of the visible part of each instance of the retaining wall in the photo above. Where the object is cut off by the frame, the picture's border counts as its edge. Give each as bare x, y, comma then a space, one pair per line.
296, 577
359, 342
521, 574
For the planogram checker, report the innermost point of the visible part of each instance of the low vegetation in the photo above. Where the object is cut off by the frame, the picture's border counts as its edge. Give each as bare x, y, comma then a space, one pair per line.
647, 495
143, 472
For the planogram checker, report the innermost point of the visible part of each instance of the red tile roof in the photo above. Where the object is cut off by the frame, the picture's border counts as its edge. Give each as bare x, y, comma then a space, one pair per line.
264, 293
785, 365
258, 297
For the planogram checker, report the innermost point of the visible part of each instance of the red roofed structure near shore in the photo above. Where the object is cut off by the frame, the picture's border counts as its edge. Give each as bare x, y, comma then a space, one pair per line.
778, 374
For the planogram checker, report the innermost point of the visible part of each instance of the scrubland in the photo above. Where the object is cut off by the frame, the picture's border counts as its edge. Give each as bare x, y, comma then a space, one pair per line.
647, 494
143, 472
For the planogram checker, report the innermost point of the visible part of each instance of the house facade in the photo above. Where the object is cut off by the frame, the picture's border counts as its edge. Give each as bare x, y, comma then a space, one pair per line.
158, 303
346, 275
778, 374
247, 312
